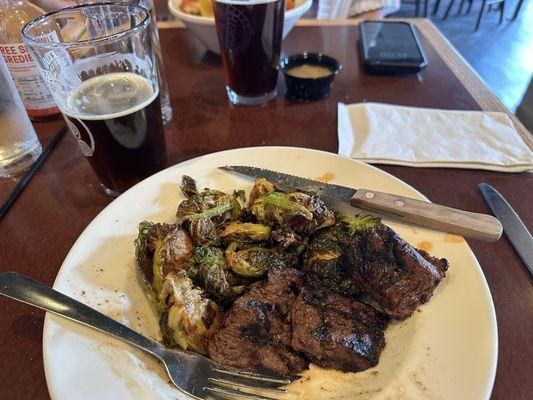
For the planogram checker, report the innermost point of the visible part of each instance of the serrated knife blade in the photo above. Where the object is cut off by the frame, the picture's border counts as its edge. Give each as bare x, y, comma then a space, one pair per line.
419, 212
514, 228
287, 181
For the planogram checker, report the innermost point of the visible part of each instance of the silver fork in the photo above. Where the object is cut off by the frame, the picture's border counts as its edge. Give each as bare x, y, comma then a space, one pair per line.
193, 374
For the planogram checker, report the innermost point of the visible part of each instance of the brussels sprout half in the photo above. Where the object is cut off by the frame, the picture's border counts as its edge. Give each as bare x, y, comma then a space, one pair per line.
244, 232
188, 317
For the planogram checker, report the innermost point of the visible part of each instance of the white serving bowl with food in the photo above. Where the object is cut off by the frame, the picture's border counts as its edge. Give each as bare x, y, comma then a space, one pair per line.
198, 18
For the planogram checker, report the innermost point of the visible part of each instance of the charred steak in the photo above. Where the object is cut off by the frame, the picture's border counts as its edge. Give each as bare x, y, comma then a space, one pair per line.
377, 262
256, 334
395, 274
335, 331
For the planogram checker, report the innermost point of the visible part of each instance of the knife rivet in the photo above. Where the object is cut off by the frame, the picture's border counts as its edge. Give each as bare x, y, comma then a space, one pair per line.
369, 195
399, 203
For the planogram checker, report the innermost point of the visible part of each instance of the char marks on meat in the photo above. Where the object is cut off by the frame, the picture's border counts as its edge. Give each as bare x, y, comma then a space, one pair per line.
395, 274
379, 263
336, 331
256, 334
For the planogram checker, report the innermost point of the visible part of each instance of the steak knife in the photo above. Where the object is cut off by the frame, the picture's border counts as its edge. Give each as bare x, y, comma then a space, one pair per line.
472, 225
513, 226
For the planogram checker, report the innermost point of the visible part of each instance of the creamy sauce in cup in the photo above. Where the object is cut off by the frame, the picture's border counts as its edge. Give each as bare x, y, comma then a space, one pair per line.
309, 71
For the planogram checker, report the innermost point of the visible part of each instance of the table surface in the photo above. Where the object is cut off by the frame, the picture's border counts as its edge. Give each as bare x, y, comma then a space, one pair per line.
64, 196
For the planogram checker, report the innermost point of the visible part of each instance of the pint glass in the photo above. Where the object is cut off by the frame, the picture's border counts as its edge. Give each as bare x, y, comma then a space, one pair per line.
98, 61
249, 35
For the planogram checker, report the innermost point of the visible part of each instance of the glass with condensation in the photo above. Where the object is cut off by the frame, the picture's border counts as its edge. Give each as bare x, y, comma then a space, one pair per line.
98, 61
19, 145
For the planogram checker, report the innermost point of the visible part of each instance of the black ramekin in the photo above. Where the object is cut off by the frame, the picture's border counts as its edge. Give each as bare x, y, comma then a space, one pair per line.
308, 89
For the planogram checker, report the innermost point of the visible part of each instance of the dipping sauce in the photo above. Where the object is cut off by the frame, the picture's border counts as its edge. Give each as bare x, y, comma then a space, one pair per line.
309, 71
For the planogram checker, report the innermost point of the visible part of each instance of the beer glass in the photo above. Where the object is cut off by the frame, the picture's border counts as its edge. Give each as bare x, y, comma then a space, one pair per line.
250, 33
166, 107
98, 61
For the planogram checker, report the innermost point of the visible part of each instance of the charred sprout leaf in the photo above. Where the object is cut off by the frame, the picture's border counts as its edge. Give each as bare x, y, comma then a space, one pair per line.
360, 224
244, 232
323, 216
238, 290
188, 186
204, 232
260, 188
188, 318
286, 237
211, 273
252, 261
279, 208
149, 237
240, 195
293, 212
213, 204
172, 253
208, 204
331, 252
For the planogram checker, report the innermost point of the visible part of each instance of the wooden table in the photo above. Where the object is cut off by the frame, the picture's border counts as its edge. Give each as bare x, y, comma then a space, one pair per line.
65, 196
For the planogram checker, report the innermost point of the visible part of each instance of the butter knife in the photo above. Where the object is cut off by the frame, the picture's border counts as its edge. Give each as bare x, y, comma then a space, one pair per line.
513, 226
472, 225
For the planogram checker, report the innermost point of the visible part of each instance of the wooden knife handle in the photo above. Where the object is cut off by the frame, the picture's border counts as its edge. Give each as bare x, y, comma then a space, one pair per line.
472, 225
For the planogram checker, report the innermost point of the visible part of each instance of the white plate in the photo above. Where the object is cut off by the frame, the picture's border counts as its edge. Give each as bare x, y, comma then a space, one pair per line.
447, 350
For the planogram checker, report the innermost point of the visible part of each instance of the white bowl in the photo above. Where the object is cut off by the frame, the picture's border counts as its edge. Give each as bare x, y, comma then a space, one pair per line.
204, 27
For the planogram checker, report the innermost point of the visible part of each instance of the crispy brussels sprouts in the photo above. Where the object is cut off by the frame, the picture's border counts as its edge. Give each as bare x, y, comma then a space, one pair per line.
171, 254
330, 254
188, 186
202, 212
244, 232
207, 204
209, 271
240, 195
360, 224
296, 211
252, 261
204, 232
328, 258
188, 318
279, 208
149, 237
260, 188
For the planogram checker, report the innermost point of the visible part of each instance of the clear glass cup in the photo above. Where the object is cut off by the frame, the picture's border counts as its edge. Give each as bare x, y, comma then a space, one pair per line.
250, 34
166, 107
19, 145
98, 61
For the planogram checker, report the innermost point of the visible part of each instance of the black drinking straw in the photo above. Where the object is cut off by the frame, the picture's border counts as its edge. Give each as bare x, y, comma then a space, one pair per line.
28, 175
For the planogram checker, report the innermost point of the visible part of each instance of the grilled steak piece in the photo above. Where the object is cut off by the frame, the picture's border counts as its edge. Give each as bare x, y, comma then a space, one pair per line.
395, 274
377, 262
336, 331
256, 334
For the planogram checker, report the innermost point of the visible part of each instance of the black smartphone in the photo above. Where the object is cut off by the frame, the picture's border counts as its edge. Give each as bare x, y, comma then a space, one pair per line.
390, 47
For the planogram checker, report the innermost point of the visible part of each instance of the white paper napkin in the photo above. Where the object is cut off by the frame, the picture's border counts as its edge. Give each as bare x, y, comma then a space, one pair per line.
423, 137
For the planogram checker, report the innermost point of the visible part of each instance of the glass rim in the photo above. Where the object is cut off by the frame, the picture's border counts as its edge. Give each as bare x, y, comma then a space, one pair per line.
79, 43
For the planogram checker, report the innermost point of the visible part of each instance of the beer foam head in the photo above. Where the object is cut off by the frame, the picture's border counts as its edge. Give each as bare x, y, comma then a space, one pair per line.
110, 96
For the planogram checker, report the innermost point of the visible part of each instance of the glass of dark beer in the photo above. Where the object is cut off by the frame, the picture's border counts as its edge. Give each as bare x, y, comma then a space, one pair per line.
98, 61
249, 35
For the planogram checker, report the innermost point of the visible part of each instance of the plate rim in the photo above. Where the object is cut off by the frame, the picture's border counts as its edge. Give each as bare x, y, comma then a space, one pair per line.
493, 319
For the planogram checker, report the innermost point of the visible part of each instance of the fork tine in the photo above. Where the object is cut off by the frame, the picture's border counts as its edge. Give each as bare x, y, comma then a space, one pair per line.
237, 393
238, 385
250, 375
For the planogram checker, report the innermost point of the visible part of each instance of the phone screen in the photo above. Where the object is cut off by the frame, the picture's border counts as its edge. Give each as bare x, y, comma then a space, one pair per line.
391, 42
